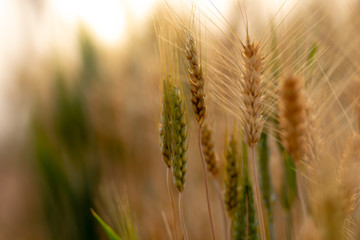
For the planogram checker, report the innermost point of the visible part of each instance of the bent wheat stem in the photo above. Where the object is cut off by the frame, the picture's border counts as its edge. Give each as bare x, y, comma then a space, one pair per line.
299, 182
223, 210
206, 184
167, 227
172, 202
181, 213
257, 198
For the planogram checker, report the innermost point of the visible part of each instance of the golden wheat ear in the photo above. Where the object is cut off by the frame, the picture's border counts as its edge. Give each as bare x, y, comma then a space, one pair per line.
252, 93
208, 148
252, 117
292, 116
196, 80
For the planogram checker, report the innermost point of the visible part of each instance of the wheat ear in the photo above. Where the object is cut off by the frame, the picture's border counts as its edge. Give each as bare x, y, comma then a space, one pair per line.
196, 81
179, 147
253, 121
252, 93
165, 128
179, 136
209, 153
166, 141
292, 116
231, 177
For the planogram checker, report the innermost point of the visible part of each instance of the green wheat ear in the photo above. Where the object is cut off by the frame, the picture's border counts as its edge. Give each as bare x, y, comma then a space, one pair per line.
179, 138
165, 127
231, 176
173, 131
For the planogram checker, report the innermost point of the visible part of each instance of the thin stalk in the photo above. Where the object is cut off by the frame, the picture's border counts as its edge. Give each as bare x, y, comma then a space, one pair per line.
300, 191
223, 211
206, 185
229, 227
259, 211
167, 226
289, 228
168, 176
181, 212
247, 222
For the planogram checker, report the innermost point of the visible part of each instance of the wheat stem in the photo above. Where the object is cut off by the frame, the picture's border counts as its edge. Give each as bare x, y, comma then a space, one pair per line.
229, 227
257, 198
299, 182
206, 184
182, 221
223, 210
168, 175
167, 226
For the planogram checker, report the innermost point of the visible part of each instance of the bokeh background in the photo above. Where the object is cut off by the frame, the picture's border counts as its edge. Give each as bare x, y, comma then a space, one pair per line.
79, 111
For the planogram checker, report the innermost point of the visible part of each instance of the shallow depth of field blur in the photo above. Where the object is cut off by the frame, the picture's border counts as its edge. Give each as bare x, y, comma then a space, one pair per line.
80, 109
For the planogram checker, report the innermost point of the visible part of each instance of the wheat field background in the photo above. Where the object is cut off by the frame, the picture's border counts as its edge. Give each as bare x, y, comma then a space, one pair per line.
89, 113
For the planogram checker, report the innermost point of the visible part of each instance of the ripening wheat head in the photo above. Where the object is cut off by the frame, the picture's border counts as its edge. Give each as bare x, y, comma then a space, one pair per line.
252, 92
292, 116
209, 152
196, 79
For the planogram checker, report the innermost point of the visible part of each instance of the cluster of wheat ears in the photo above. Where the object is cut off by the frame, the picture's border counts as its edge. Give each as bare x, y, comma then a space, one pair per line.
282, 104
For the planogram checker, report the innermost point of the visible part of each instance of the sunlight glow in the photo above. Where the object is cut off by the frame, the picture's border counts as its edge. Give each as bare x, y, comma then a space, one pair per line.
110, 19
105, 17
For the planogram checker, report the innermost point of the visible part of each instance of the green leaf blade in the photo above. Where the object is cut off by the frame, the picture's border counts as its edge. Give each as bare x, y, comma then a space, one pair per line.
108, 230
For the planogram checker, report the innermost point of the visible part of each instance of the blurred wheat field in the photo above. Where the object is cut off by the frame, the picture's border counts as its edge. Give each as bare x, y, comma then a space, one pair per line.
205, 120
